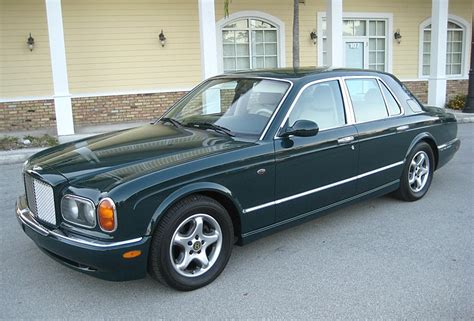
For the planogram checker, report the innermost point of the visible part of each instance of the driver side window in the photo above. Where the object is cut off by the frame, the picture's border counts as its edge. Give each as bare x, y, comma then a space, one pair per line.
321, 103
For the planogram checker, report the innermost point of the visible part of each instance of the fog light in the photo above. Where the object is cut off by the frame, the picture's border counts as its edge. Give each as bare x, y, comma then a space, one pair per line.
107, 215
131, 254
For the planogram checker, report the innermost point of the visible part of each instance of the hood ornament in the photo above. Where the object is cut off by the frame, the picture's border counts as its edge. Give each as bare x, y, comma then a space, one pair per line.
37, 168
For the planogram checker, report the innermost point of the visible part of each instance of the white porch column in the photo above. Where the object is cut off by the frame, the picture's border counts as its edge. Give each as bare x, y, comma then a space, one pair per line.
334, 33
439, 34
62, 97
207, 28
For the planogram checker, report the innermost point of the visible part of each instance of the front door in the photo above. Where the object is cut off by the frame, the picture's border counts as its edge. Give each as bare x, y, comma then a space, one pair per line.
355, 53
315, 172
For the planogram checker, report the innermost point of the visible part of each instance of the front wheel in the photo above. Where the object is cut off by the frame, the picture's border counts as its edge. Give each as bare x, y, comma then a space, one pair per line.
417, 174
191, 244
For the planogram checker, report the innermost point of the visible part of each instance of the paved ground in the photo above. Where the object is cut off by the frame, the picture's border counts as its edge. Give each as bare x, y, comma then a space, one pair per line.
382, 259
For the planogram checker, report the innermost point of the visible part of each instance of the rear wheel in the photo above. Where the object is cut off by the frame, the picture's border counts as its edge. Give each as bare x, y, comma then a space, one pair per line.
191, 244
417, 174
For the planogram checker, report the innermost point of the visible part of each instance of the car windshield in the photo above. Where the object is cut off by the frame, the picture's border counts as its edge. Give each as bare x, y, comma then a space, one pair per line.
235, 107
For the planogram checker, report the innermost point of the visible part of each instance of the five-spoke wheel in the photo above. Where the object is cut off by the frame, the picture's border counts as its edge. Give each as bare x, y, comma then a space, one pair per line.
419, 171
196, 245
191, 244
417, 174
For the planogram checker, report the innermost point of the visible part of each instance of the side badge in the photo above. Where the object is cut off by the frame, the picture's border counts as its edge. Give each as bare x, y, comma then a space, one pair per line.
261, 171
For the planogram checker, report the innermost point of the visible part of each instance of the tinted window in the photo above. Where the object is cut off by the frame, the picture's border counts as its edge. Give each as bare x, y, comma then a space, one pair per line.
244, 106
320, 103
367, 100
392, 104
414, 105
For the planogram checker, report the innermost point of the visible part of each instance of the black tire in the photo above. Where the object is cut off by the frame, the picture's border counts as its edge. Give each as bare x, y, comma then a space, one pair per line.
163, 265
412, 191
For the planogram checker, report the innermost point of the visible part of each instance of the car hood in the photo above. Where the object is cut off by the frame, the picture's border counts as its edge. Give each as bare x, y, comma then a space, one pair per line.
114, 157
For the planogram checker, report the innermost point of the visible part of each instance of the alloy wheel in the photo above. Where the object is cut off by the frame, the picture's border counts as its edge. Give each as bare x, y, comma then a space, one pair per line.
195, 245
419, 171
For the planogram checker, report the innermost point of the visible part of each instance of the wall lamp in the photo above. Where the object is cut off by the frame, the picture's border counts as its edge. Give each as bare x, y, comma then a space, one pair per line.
31, 42
162, 38
397, 36
313, 36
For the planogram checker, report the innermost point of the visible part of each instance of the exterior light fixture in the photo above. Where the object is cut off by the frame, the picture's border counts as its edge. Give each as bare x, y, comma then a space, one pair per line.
31, 42
313, 36
162, 38
397, 36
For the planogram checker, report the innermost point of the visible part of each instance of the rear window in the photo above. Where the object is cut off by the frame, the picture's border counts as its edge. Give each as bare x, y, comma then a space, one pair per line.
392, 104
367, 100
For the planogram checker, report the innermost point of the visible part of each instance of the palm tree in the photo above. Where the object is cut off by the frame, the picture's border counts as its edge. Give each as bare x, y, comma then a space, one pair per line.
296, 29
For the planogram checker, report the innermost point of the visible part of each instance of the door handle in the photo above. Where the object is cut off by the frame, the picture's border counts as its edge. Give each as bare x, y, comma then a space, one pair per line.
402, 128
345, 140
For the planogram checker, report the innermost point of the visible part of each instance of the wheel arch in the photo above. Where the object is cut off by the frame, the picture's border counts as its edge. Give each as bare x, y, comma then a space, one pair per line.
219, 193
430, 140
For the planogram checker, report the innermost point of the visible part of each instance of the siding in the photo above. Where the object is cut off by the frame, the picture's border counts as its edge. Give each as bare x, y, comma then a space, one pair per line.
405, 54
113, 46
24, 72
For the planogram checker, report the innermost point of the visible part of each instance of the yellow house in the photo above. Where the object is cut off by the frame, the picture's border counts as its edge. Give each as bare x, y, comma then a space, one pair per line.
67, 63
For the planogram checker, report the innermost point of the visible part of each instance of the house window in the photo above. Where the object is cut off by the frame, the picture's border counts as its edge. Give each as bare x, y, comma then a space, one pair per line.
454, 50
249, 44
365, 43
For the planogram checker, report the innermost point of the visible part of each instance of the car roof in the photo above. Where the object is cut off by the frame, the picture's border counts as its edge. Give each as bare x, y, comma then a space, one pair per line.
306, 73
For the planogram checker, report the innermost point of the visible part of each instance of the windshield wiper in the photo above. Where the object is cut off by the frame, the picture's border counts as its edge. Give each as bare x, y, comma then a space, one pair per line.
173, 121
212, 126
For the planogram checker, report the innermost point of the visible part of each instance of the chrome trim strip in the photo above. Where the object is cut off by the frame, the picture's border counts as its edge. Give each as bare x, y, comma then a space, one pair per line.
270, 121
319, 189
25, 217
444, 146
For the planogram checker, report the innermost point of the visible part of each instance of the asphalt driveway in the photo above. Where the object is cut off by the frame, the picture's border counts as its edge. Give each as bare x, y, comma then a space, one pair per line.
376, 260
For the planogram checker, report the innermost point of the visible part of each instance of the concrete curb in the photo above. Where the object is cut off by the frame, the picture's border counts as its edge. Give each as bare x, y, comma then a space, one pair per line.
462, 117
17, 155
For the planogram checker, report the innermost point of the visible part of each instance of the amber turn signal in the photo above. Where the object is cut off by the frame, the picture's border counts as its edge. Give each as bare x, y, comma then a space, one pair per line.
106, 215
131, 254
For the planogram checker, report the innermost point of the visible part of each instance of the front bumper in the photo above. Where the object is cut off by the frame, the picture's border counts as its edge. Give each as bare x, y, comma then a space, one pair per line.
97, 258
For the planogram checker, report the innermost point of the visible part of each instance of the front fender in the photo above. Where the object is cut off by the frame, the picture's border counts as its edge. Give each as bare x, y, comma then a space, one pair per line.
186, 191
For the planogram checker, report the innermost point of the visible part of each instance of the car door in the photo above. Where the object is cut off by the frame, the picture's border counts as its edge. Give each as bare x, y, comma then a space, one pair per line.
379, 124
315, 172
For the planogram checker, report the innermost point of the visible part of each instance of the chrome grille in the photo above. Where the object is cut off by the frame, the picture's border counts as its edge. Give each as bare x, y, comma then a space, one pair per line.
40, 199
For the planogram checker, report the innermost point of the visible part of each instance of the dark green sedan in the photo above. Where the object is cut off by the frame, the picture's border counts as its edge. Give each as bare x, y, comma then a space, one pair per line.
239, 157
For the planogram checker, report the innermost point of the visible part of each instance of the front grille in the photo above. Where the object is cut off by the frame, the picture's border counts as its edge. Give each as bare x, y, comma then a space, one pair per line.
40, 199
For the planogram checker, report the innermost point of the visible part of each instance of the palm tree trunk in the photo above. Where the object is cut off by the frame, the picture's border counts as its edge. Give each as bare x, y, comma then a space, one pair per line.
296, 34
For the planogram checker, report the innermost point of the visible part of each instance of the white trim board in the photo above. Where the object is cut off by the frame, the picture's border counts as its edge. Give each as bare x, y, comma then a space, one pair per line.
100, 94
358, 15
280, 25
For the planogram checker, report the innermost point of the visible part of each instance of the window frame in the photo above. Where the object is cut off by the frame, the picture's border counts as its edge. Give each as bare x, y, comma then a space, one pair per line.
377, 16
379, 82
345, 113
349, 115
466, 34
279, 27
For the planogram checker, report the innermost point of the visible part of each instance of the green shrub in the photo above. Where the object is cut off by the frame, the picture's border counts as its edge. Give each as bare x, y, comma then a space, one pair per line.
457, 102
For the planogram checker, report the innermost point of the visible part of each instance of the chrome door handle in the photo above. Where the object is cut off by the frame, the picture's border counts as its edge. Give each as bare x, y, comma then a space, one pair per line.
402, 128
345, 140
